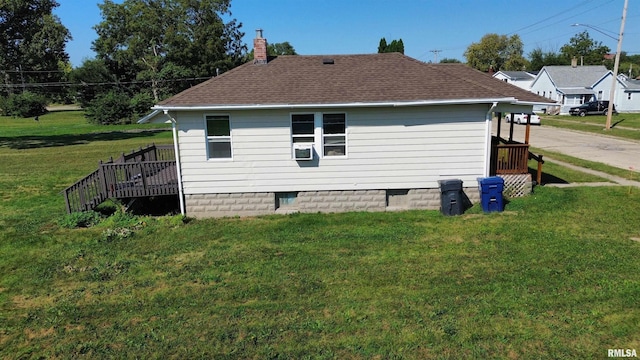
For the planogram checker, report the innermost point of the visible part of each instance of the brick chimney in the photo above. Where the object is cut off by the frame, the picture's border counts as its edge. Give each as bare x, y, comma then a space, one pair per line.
259, 48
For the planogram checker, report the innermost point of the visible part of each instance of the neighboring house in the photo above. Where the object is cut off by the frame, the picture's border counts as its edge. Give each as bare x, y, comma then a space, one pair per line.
573, 85
628, 94
334, 133
521, 79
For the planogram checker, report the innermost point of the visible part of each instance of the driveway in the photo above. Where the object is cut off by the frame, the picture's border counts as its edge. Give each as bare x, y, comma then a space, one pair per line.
593, 147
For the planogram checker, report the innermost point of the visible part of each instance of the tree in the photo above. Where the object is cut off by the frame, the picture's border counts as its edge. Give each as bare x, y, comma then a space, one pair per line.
280, 49
109, 108
276, 49
382, 46
629, 65
539, 59
158, 40
394, 46
91, 79
585, 49
450, 61
26, 104
496, 52
32, 43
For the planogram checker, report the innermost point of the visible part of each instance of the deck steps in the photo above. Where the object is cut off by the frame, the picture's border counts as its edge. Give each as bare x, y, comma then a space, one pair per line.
147, 172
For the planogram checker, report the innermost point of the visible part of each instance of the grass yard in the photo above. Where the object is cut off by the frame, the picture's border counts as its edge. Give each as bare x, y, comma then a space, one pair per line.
625, 125
554, 276
578, 177
555, 174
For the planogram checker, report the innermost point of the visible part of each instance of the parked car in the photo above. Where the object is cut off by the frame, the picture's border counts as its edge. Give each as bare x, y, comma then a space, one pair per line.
522, 118
592, 108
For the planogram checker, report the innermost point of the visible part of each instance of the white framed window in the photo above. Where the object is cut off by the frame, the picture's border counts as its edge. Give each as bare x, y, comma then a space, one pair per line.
218, 137
302, 128
334, 135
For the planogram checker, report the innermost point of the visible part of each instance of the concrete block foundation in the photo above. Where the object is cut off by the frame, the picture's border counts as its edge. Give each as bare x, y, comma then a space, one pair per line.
253, 204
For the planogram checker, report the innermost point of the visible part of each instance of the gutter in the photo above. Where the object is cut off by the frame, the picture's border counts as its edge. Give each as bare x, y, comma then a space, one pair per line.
487, 147
176, 149
509, 100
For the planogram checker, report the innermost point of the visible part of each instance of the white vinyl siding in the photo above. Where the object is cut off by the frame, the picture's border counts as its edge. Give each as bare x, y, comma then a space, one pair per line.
388, 148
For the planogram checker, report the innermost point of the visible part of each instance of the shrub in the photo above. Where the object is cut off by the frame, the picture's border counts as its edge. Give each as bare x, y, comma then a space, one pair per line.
141, 104
24, 105
113, 107
82, 219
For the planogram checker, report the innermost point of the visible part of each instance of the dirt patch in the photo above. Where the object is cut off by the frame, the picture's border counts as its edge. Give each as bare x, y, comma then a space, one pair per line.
38, 334
26, 302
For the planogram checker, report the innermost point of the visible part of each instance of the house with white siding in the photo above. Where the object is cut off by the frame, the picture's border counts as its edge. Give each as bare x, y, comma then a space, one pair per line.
627, 95
521, 79
574, 85
371, 132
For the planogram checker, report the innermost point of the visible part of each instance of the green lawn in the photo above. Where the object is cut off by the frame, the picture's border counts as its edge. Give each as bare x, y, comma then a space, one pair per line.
623, 125
554, 276
550, 169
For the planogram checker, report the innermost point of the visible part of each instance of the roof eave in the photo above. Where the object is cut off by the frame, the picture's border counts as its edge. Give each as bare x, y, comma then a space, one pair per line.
219, 107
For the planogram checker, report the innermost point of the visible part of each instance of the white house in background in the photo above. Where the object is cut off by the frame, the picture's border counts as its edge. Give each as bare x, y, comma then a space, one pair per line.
574, 85
627, 94
333, 133
571, 85
521, 79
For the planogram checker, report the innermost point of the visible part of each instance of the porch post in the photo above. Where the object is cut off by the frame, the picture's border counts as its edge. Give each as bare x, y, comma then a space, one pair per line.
488, 143
499, 124
511, 127
528, 130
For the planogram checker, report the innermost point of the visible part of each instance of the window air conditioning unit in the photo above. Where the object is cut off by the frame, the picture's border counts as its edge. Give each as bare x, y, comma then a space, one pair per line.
303, 151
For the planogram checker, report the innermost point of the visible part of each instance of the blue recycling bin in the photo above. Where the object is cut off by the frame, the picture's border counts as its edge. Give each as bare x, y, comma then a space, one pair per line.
491, 193
451, 197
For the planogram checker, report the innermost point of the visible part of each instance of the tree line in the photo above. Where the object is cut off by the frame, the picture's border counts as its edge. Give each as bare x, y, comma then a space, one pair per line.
501, 52
149, 50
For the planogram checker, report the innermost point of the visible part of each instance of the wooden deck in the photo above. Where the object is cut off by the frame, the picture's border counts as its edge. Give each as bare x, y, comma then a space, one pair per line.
509, 157
147, 172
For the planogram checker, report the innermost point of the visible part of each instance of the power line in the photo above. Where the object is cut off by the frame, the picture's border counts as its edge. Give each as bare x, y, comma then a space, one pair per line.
554, 16
68, 83
32, 71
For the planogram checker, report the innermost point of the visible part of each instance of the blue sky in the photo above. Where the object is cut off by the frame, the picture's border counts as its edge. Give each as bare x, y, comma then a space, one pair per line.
332, 27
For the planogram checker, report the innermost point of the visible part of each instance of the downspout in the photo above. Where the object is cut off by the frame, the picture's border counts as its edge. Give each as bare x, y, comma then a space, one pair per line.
487, 153
174, 129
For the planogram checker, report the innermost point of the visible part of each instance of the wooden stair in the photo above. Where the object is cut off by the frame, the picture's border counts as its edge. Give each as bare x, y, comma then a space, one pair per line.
149, 171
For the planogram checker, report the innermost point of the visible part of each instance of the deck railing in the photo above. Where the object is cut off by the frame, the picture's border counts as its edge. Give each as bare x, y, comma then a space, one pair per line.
149, 178
512, 159
149, 171
86, 193
150, 153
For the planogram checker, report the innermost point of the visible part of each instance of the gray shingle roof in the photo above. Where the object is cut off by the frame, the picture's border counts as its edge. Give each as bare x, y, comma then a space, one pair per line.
632, 85
372, 78
519, 75
573, 77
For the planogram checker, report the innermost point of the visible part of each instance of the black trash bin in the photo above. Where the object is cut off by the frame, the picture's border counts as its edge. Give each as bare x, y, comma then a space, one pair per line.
451, 197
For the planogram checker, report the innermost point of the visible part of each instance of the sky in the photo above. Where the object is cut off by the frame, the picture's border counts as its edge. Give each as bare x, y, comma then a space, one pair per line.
430, 29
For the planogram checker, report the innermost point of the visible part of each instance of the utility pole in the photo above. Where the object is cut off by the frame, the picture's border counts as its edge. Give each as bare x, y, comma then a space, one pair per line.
616, 64
21, 77
435, 53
